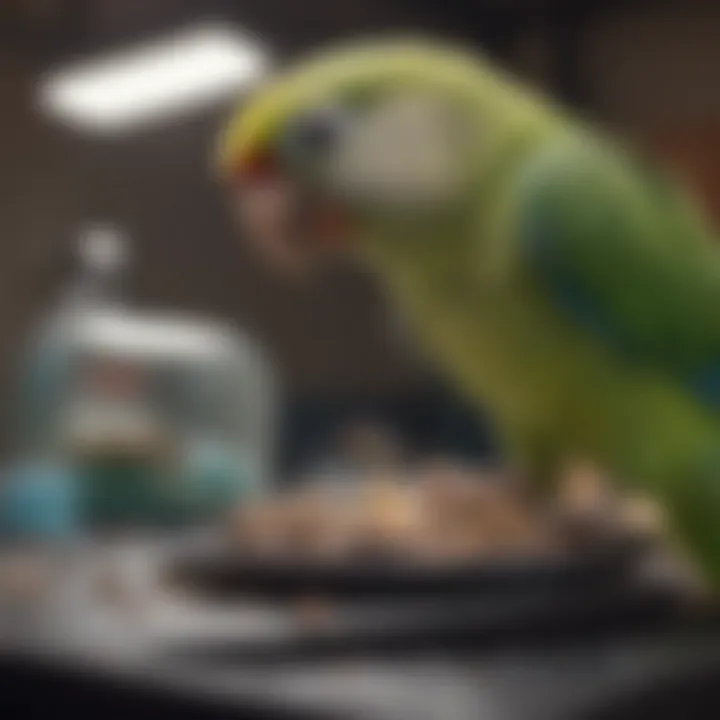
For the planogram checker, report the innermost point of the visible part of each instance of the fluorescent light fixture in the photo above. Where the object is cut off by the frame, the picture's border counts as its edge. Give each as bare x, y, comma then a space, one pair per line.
178, 74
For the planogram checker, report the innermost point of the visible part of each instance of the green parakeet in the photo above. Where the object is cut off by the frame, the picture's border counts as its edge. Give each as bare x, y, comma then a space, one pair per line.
568, 288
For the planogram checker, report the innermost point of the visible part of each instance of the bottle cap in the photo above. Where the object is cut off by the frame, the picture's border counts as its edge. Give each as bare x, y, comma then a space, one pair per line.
103, 249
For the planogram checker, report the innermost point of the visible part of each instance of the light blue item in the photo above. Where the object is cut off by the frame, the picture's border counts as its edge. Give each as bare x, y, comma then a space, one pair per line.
214, 475
40, 500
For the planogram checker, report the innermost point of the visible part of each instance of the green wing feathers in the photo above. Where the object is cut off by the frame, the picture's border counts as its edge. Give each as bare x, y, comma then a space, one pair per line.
622, 254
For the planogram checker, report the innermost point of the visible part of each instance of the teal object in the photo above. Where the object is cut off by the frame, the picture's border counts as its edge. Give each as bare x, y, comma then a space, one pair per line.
122, 492
213, 475
40, 500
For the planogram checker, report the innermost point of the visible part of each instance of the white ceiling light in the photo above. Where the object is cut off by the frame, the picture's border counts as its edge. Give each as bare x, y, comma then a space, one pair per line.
177, 74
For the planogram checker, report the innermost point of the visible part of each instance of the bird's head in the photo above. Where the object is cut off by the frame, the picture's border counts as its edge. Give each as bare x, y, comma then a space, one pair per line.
357, 136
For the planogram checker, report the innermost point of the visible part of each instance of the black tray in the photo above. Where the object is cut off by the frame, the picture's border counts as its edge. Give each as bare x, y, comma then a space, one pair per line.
224, 574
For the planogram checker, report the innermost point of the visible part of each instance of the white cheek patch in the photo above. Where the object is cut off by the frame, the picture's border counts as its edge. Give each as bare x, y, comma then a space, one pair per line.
405, 151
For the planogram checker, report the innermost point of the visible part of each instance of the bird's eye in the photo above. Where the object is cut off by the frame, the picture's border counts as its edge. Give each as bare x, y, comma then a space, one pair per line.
314, 136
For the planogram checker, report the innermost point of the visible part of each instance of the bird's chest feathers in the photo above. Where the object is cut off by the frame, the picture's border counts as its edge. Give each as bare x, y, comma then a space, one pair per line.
493, 336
